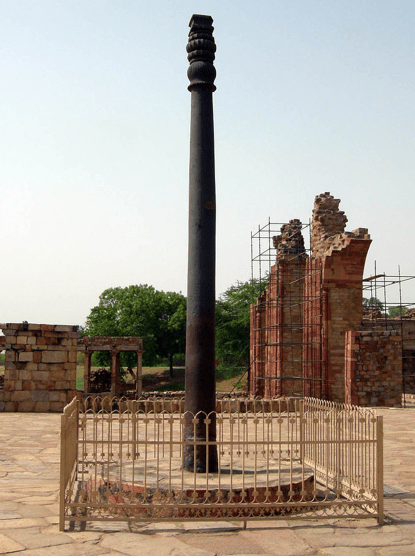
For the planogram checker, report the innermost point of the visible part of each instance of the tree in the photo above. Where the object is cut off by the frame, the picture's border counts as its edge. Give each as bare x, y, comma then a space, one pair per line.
372, 302
396, 311
158, 317
232, 323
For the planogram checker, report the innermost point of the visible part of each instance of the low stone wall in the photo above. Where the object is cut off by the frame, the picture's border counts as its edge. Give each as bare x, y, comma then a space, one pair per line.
40, 367
373, 368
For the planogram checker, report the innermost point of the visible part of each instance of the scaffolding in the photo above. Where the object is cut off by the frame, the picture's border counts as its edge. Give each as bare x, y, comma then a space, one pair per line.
286, 325
385, 308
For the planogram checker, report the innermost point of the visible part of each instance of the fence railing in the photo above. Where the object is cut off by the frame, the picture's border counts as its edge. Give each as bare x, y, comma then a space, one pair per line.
69, 455
277, 459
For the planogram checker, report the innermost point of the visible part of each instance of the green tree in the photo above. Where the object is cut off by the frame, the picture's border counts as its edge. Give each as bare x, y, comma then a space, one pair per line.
232, 323
158, 317
372, 302
396, 311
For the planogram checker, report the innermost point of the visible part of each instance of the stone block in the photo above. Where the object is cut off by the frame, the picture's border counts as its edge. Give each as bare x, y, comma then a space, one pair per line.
37, 357
10, 356
62, 385
11, 406
48, 386
68, 329
40, 376
54, 356
40, 395
57, 374
9, 333
26, 373
72, 354
31, 366
47, 327
26, 357
57, 406
18, 385
54, 396
27, 385
22, 339
19, 396
9, 385
42, 406
31, 340
26, 406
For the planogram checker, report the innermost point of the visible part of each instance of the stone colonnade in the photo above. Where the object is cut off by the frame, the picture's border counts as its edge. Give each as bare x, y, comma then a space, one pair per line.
41, 360
114, 345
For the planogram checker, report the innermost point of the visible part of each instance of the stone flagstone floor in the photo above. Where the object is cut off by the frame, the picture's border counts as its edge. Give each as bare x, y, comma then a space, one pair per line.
29, 488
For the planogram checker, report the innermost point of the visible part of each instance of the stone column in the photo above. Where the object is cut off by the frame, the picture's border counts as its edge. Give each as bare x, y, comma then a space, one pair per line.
200, 332
139, 378
87, 370
114, 371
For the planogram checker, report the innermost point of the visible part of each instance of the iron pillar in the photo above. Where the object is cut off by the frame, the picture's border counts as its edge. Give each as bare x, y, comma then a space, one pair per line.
200, 387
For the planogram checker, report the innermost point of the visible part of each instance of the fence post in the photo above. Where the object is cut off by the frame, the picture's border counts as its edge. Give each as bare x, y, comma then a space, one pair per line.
62, 472
302, 438
379, 466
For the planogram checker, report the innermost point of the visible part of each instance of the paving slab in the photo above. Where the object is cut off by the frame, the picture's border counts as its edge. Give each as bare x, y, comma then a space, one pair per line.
32, 537
285, 542
347, 551
9, 545
29, 489
134, 544
224, 544
73, 549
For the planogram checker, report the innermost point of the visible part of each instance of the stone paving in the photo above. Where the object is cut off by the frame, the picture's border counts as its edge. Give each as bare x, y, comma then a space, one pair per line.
29, 488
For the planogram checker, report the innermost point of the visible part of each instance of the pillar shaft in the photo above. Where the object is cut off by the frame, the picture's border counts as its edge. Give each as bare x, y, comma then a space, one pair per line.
87, 371
200, 331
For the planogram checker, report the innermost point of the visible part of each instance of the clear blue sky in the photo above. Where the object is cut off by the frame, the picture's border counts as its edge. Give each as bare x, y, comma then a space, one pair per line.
312, 96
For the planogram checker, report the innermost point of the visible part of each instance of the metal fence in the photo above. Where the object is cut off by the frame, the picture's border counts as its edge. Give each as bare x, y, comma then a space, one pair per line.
287, 458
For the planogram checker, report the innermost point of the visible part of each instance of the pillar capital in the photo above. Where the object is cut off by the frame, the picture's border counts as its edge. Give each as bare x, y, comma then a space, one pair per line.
201, 50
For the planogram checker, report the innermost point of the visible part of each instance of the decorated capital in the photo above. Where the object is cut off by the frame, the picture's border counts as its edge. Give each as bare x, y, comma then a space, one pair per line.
201, 50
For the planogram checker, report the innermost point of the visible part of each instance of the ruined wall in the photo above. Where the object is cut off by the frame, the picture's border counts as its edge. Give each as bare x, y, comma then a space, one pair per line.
276, 320
373, 368
405, 326
342, 256
40, 367
298, 327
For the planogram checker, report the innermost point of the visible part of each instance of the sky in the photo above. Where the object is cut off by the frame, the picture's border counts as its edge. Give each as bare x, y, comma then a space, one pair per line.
312, 96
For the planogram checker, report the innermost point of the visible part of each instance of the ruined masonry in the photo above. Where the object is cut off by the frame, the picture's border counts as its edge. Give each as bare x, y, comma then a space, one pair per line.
40, 367
307, 335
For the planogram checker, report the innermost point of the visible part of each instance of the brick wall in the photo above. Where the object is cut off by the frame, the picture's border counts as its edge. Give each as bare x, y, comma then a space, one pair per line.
405, 325
40, 367
276, 319
373, 368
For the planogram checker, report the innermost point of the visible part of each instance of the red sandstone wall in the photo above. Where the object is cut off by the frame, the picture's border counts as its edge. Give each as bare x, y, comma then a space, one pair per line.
342, 279
329, 305
373, 368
